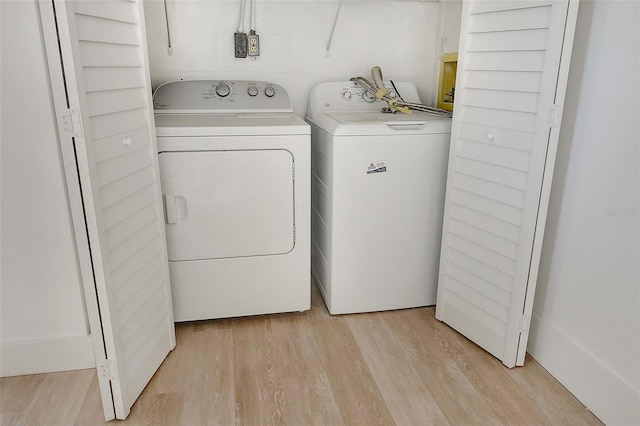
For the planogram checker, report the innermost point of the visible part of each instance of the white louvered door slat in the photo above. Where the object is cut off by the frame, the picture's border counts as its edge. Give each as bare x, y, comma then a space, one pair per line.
103, 47
512, 68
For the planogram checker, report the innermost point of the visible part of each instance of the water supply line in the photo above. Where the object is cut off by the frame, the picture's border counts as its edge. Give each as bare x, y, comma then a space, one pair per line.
395, 103
333, 29
243, 7
166, 18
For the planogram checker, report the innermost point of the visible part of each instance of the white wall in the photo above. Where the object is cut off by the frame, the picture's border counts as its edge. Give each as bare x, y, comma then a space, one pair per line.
401, 37
587, 312
42, 318
449, 24
450, 13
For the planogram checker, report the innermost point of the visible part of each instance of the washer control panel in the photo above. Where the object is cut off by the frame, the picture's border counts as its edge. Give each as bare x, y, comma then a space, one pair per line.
220, 96
345, 96
356, 93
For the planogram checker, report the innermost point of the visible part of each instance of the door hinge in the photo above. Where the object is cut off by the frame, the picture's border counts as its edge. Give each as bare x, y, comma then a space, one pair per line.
523, 324
71, 120
293, 171
555, 115
294, 234
107, 369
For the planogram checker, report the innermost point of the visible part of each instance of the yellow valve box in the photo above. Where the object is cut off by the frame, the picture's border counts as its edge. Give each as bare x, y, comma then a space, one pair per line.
447, 82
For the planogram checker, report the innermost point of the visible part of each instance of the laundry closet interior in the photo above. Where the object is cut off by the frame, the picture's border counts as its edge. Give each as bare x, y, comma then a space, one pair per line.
83, 197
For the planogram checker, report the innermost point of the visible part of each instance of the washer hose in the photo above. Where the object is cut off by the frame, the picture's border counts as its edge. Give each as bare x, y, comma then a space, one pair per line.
395, 104
376, 73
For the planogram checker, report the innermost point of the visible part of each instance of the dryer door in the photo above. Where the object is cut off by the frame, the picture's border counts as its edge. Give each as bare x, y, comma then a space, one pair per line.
221, 204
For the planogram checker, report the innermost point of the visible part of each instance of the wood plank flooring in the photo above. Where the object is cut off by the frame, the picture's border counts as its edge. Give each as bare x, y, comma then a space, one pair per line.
397, 367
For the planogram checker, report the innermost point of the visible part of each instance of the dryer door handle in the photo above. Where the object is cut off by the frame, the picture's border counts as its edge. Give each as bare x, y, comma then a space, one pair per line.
170, 208
411, 126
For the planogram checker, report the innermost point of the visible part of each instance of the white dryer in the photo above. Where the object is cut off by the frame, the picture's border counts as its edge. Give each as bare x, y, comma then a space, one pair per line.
378, 186
235, 175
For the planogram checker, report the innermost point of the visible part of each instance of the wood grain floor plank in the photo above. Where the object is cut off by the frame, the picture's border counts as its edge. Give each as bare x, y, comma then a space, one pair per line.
549, 397
162, 409
311, 368
209, 385
355, 391
295, 346
489, 377
59, 397
15, 396
10, 419
454, 394
392, 364
310, 401
258, 376
512, 398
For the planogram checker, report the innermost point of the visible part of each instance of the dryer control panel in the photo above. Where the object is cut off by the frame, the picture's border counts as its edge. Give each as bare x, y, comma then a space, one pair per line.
220, 97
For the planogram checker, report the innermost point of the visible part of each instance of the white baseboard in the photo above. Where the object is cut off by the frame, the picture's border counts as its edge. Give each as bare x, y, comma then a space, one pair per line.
46, 356
601, 390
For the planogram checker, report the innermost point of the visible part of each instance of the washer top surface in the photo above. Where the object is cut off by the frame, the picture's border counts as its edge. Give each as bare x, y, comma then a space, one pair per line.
344, 108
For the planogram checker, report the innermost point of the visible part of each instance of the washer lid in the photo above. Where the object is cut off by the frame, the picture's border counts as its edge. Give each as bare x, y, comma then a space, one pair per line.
377, 123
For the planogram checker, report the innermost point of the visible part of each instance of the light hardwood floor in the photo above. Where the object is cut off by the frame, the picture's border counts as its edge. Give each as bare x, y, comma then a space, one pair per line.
398, 367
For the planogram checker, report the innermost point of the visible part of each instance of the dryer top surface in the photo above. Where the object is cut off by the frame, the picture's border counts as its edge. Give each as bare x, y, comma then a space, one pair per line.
229, 124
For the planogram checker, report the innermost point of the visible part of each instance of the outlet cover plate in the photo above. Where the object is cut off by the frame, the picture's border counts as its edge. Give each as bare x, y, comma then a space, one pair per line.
240, 45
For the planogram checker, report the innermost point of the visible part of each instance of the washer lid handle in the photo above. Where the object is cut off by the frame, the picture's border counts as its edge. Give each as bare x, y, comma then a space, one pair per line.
407, 126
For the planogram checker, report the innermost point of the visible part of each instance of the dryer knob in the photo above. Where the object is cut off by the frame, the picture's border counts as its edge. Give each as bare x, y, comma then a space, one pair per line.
223, 90
269, 91
252, 91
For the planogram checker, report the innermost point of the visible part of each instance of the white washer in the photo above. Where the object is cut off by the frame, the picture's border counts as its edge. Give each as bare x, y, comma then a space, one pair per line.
378, 185
234, 168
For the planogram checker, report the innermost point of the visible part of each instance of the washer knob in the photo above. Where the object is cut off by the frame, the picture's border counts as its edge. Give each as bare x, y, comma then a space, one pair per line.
269, 91
223, 90
368, 96
346, 95
252, 91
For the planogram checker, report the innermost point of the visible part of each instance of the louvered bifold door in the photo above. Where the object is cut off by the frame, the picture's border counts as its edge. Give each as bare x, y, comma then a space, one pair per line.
512, 71
103, 48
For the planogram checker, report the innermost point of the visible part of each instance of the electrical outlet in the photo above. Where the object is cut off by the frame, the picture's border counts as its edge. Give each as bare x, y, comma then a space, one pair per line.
240, 45
253, 40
